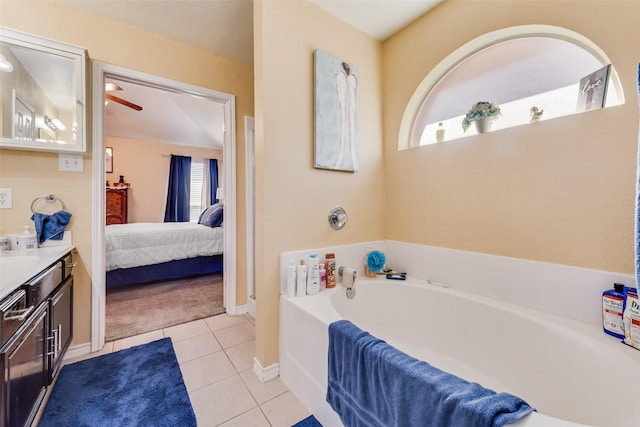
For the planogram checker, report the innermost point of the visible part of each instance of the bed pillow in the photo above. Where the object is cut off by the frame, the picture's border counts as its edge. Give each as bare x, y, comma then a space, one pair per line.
212, 216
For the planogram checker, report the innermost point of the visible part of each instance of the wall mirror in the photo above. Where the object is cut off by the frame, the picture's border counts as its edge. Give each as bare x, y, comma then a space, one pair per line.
42, 93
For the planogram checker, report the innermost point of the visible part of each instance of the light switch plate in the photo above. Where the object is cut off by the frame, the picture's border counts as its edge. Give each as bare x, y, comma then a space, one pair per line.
6, 198
71, 162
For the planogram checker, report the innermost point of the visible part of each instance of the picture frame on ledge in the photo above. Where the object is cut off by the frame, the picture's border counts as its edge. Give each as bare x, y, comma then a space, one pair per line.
592, 93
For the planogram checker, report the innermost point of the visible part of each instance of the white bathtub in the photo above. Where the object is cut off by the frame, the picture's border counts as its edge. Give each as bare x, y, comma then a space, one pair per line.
567, 370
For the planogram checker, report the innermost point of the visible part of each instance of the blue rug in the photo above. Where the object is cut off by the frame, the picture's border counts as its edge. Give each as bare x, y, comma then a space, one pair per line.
138, 386
310, 421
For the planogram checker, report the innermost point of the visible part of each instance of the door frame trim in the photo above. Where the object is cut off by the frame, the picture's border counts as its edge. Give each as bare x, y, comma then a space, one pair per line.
100, 71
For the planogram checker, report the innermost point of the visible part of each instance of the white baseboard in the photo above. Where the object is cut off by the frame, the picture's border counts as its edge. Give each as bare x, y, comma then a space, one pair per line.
78, 350
265, 374
242, 309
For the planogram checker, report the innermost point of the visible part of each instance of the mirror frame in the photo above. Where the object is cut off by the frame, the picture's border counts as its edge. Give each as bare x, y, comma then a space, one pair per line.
79, 56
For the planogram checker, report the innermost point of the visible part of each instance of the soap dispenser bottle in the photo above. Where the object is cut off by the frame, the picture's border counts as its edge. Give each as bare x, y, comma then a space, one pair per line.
27, 240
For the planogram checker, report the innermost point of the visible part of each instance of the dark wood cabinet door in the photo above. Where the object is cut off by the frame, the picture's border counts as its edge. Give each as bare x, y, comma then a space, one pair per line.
116, 206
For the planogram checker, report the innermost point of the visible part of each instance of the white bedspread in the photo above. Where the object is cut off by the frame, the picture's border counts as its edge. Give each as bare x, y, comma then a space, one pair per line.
137, 244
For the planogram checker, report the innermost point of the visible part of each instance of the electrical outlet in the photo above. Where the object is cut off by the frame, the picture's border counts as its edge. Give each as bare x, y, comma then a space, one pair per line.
6, 198
68, 162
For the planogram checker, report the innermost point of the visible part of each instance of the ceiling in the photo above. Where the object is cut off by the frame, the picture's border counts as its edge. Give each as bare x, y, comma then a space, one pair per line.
224, 27
166, 117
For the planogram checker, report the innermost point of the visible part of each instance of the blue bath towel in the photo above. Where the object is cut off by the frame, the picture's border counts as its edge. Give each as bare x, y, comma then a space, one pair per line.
50, 227
374, 384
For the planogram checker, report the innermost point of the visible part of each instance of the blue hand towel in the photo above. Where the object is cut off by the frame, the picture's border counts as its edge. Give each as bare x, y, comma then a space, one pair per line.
50, 227
374, 384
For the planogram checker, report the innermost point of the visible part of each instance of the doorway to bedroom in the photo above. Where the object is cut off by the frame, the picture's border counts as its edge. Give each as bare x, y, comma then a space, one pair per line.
164, 262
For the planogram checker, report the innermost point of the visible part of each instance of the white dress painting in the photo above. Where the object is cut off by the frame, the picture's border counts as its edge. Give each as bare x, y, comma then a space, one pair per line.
336, 129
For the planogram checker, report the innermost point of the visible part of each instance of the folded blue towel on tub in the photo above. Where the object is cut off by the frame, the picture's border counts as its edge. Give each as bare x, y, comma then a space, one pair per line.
374, 384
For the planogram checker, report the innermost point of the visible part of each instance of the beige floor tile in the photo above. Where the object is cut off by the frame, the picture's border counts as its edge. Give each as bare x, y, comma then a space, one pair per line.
263, 392
253, 418
138, 340
241, 355
206, 370
221, 401
285, 410
222, 321
250, 318
187, 330
193, 348
234, 335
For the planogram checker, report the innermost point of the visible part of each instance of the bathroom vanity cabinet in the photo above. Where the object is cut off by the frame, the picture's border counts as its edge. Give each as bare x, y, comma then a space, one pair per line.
36, 331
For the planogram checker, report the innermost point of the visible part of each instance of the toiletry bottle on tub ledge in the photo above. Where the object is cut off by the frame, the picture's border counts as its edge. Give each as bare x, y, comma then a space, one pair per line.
301, 279
313, 278
330, 266
612, 301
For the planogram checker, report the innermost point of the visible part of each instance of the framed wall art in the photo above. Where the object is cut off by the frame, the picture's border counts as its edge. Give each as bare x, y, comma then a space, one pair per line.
593, 90
335, 114
108, 159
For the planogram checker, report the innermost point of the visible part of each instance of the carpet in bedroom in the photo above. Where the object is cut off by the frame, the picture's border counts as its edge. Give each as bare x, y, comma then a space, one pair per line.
133, 310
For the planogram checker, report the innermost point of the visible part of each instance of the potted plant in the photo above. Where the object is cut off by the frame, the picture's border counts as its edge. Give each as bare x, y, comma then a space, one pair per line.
483, 113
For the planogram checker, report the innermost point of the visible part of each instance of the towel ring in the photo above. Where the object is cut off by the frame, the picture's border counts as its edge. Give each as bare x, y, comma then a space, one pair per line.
49, 198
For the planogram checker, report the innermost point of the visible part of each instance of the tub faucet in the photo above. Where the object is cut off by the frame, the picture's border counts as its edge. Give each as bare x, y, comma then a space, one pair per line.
348, 280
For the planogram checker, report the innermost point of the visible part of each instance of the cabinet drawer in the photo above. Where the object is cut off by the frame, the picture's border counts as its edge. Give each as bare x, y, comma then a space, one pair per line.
40, 287
67, 266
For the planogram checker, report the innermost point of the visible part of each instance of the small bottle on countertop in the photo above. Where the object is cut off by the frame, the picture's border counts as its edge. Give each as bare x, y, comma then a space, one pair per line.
27, 240
330, 267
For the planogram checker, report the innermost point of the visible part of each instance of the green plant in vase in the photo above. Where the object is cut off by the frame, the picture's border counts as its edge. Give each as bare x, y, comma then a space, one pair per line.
480, 111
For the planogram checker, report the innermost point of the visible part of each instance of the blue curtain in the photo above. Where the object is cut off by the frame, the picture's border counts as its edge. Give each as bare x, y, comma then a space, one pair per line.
179, 189
213, 176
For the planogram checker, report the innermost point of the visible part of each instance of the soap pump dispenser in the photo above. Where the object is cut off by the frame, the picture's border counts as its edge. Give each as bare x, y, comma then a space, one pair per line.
26, 240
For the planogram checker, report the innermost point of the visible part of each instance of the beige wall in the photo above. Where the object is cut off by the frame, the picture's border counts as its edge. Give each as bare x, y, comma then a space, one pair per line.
32, 174
145, 165
560, 191
294, 199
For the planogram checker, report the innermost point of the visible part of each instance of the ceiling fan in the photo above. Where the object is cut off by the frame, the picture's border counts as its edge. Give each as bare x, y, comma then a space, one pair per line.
110, 87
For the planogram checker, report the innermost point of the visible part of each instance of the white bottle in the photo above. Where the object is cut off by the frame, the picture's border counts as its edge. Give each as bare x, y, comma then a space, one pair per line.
313, 280
27, 240
290, 290
301, 279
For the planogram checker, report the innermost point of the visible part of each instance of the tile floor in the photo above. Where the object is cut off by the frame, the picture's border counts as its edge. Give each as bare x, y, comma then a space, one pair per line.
216, 358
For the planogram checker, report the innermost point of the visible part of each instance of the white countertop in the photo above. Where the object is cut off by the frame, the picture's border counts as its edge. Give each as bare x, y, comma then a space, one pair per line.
17, 268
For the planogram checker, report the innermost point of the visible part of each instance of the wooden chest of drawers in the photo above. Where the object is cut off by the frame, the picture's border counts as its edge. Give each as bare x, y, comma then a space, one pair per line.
116, 206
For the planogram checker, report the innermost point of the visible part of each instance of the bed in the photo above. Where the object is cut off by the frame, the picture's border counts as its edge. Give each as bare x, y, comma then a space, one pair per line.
146, 252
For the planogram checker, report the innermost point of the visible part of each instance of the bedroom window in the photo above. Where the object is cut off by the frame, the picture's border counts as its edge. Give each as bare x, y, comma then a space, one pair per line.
195, 198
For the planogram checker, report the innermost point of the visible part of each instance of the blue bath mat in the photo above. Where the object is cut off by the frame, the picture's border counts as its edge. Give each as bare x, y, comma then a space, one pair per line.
310, 421
138, 386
